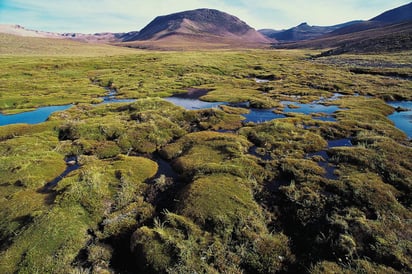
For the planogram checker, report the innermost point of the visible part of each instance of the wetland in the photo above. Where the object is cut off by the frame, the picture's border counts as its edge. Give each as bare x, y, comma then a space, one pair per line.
255, 161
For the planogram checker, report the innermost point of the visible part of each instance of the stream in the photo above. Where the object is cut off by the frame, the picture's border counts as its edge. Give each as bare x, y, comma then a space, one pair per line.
190, 100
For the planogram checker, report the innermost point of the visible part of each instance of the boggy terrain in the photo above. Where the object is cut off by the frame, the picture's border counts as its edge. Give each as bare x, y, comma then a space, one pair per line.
155, 188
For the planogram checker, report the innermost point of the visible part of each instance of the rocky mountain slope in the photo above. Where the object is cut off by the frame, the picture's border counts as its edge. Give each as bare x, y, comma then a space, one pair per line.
389, 31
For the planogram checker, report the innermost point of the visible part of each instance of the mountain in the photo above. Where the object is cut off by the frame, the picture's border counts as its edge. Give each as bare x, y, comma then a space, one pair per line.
207, 25
303, 32
388, 38
389, 31
393, 16
397, 15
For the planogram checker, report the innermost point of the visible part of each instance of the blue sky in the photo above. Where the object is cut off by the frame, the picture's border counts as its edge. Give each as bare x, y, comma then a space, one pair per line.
89, 16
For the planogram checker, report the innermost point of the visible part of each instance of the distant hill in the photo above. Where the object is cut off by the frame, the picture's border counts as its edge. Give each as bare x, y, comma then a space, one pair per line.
13, 45
22, 31
389, 31
104, 37
303, 32
206, 25
393, 16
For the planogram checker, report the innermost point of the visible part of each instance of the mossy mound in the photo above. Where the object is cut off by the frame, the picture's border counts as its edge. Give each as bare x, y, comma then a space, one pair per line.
213, 119
284, 137
81, 201
221, 203
217, 227
209, 152
30, 161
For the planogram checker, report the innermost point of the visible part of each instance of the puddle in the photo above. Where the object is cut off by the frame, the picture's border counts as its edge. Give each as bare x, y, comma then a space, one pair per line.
328, 167
72, 164
164, 168
261, 80
261, 115
402, 119
335, 96
340, 143
308, 108
265, 157
111, 98
190, 100
192, 104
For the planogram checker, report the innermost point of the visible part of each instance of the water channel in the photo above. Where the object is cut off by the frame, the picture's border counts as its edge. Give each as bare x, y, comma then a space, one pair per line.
190, 100
402, 118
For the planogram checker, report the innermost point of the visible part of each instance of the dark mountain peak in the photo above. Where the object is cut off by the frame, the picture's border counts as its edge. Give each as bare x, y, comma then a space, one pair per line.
390, 17
303, 31
390, 31
397, 15
197, 23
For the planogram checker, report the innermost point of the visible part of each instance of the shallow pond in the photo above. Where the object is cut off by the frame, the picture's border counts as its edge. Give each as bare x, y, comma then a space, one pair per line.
31, 117
191, 101
41, 114
403, 119
192, 104
311, 108
261, 115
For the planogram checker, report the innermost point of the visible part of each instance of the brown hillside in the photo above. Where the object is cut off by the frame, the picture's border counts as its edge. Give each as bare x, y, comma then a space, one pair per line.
197, 28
